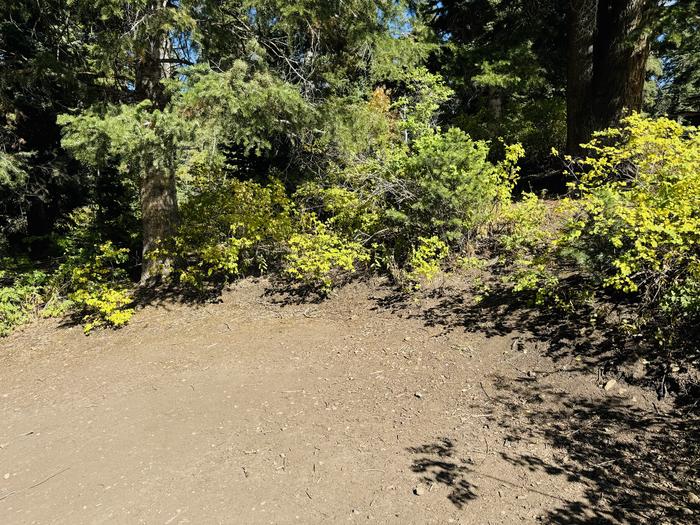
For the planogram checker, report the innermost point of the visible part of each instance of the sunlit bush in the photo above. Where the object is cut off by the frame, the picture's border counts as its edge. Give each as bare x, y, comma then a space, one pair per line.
450, 189
21, 294
637, 221
99, 288
319, 257
425, 260
231, 229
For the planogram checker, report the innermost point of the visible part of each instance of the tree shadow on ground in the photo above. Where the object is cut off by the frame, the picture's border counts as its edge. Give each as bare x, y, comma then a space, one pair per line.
599, 346
176, 293
284, 292
162, 296
438, 465
633, 466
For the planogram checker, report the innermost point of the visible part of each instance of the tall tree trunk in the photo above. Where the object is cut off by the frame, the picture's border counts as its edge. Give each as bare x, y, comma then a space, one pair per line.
581, 28
608, 49
159, 209
620, 57
159, 218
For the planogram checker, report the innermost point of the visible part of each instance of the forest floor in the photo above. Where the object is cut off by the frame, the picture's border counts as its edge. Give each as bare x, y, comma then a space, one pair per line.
367, 407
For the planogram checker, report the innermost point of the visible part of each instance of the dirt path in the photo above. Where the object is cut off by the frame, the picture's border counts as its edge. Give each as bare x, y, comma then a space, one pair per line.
358, 409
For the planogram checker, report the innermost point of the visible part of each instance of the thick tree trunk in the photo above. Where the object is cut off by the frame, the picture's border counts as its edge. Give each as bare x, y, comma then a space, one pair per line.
581, 28
159, 209
159, 218
608, 49
620, 58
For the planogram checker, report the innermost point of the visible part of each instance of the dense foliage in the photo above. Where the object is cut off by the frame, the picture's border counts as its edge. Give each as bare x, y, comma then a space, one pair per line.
630, 228
638, 217
195, 142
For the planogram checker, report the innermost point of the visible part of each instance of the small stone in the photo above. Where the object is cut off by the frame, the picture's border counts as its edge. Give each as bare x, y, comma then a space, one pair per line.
419, 490
693, 498
610, 385
418, 395
637, 370
7, 476
531, 373
355, 511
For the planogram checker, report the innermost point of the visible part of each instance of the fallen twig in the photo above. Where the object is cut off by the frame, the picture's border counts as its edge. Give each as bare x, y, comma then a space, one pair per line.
47, 479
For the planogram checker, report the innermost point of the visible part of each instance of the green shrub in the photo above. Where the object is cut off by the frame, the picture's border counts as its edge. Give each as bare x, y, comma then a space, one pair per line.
230, 229
521, 227
414, 180
98, 287
636, 226
425, 259
319, 257
21, 294
90, 282
451, 190
343, 209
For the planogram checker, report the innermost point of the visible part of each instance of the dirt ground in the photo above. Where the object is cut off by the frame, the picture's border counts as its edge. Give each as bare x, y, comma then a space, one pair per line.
367, 407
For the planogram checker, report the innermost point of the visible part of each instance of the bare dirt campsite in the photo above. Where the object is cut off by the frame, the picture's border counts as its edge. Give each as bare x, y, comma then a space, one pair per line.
365, 408
350, 261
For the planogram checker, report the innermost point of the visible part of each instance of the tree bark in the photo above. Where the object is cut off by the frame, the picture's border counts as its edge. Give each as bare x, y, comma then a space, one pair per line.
620, 58
159, 208
159, 218
581, 28
608, 48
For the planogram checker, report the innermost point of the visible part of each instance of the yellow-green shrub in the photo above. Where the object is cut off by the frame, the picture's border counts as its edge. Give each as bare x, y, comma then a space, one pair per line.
99, 289
319, 256
91, 282
521, 226
231, 228
425, 259
636, 224
21, 293
343, 209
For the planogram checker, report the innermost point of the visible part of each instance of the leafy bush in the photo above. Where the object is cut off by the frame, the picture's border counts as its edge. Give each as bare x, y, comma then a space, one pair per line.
633, 227
637, 223
343, 209
525, 237
90, 283
98, 287
521, 227
451, 190
232, 228
21, 294
425, 259
320, 256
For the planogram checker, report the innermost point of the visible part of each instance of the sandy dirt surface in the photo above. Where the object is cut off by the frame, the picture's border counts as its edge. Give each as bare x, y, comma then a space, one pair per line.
363, 408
